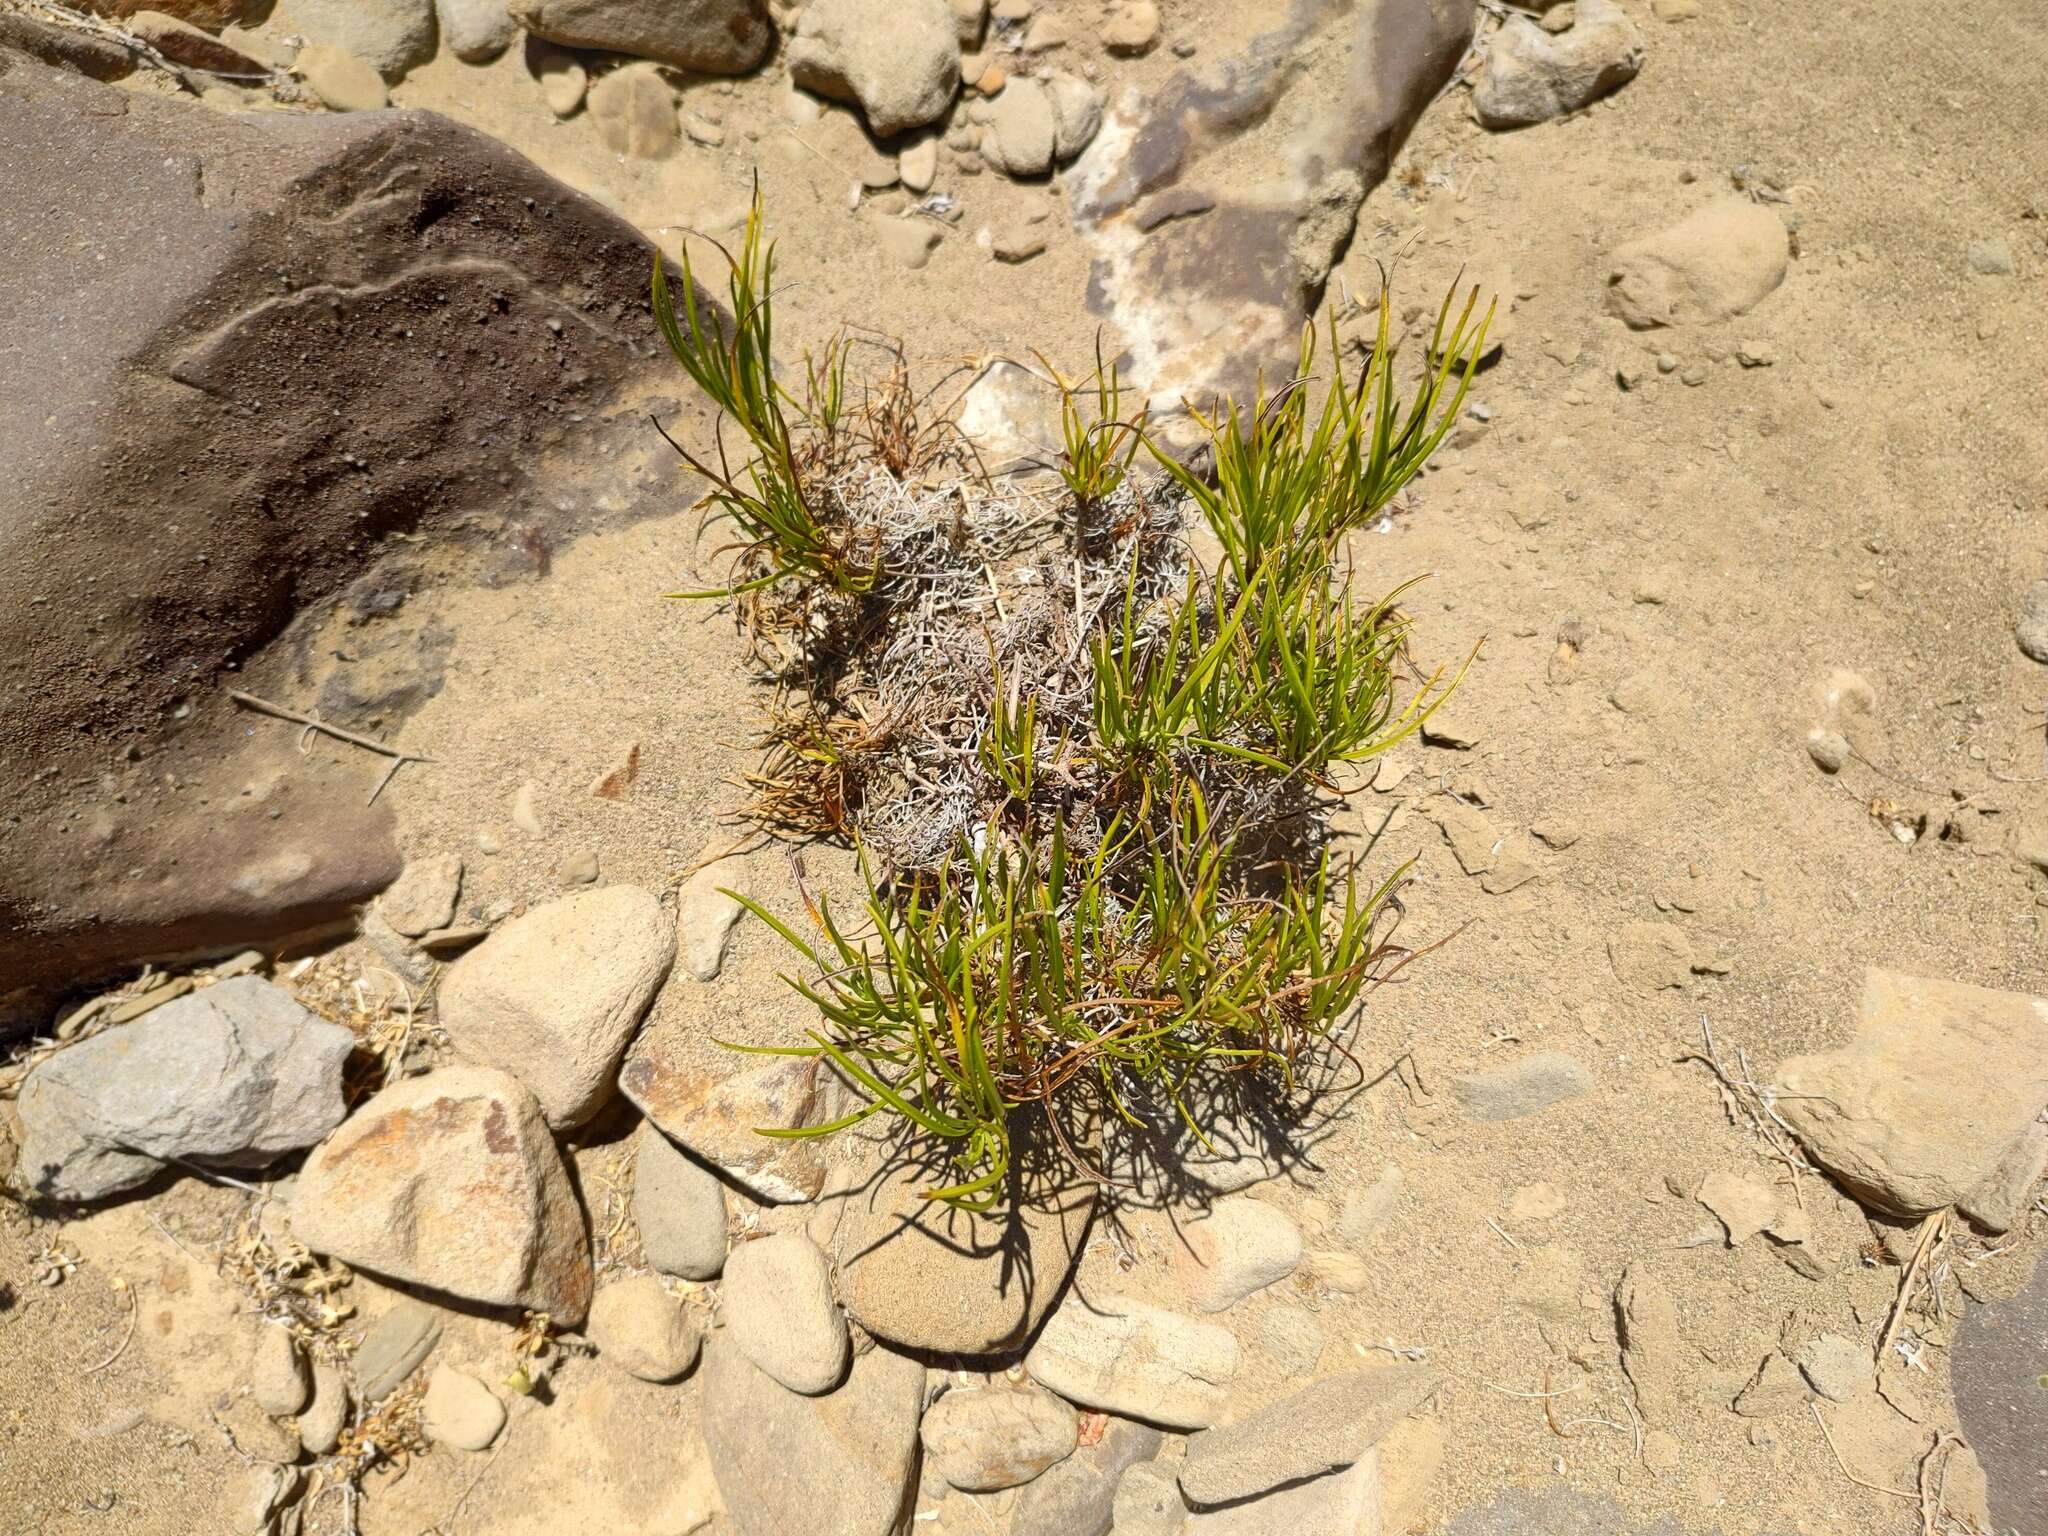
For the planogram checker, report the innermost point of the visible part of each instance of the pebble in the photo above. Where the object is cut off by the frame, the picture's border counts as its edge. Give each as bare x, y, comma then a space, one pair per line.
1991, 258
1132, 29
785, 1462
1021, 129
459, 1411
706, 914
1075, 1497
899, 60
877, 170
1932, 1103
563, 80
2032, 628
1775, 1390
679, 1206
909, 240
1743, 1205
324, 1418
579, 867
256, 1495
635, 112
1524, 1087
1719, 261
1530, 76
236, 1074
778, 1308
984, 1438
1838, 1367
1018, 243
1667, 362
1695, 375
1828, 749
1751, 353
451, 1180
342, 81
643, 1330
1129, 1358
277, 1373
701, 130
1148, 1502
424, 895
394, 1348
1335, 1269
1241, 1246
918, 165
553, 996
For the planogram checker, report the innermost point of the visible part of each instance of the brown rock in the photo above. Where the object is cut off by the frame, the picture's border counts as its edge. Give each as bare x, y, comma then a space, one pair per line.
1718, 262
183, 43
713, 37
1926, 1106
451, 1181
398, 386
715, 1111
554, 996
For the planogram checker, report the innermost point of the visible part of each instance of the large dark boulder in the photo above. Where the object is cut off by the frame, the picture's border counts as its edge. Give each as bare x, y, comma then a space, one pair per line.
242, 355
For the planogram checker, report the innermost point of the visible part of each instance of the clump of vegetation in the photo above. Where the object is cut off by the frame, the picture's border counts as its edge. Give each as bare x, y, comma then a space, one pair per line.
1088, 773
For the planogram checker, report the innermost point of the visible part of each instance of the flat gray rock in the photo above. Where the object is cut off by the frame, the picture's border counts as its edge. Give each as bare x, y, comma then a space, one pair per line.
233, 1076
1323, 1428
1523, 1087
2000, 1361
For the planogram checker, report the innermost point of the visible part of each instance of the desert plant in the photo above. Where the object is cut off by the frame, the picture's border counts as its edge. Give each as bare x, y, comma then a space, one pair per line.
1086, 885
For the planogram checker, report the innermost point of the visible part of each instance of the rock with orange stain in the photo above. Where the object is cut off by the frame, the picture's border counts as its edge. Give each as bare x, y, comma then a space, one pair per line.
451, 1181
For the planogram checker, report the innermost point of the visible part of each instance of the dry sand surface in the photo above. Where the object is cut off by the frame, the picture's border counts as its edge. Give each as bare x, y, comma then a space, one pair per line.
1662, 581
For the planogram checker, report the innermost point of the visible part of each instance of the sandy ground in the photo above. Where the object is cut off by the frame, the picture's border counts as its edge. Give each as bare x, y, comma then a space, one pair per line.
1874, 500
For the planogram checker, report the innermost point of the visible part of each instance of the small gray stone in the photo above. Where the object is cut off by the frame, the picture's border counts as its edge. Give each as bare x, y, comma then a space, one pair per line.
389, 35
1839, 1367
781, 1458
2032, 629
423, 897
1076, 114
1991, 258
1291, 1335
984, 1438
394, 1348
1523, 1087
1017, 243
1531, 76
1323, 1428
277, 1373
1130, 1358
1075, 1497
643, 1330
705, 914
232, 1076
713, 37
321, 1424
1828, 749
779, 1310
679, 1206
1148, 1502
476, 31
460, 1411
256, 1495
1241, 1246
